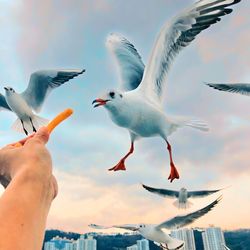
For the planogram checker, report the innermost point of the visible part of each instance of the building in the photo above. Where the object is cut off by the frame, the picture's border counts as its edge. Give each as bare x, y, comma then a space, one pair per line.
143, 244
57, 243
82, 243
134, 247
49, 246
213, 239
187, 235
90, 243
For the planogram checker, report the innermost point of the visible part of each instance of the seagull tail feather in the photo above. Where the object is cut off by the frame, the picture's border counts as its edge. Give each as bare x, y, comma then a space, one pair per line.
179, 121
182, 205
37, 121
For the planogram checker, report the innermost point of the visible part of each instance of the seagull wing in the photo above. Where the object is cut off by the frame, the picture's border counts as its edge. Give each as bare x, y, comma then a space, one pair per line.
175, 36
3, 104
42, 82
201, 193
183, 220
131, 227
241, 88
162, 192
129, 61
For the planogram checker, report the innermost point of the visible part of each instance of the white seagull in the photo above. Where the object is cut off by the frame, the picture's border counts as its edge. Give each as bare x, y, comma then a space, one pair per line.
40, 85
138, 105
182, 196
157, 234
241, 88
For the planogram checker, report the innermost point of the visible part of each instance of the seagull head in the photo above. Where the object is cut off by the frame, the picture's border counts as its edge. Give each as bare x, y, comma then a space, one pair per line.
9, 90
141, 228
109, 100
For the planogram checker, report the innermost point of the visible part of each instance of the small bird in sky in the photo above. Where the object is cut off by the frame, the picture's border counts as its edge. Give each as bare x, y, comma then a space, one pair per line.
40, 85
157, 234
182, 196
138, 106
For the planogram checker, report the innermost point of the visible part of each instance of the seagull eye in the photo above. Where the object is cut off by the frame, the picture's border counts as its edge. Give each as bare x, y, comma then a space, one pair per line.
112, 94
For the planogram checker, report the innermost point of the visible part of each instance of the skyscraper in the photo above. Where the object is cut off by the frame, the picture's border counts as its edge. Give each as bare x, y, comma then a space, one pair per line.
213, 239
143, 244
187, 235
134, 247
90, 243
49, 246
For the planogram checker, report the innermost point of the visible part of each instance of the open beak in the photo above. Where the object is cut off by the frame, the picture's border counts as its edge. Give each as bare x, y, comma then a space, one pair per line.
6, 88
99, 102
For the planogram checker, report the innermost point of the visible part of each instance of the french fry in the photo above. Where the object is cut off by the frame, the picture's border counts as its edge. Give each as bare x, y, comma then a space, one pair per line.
54, 123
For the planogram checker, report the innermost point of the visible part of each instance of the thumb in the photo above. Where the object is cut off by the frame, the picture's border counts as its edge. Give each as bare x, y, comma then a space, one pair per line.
42, 135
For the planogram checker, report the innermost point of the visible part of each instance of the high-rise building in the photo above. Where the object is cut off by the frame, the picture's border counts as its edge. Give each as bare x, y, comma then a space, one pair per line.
49, 246
90, 243
134, 247
187, 235
213, 238
80, 244
143, 244
69, 246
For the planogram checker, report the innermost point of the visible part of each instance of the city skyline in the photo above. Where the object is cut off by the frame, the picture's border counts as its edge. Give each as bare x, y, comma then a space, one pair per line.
35, 36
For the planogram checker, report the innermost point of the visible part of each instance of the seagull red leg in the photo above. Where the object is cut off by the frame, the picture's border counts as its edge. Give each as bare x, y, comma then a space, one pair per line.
173, 170
121, 164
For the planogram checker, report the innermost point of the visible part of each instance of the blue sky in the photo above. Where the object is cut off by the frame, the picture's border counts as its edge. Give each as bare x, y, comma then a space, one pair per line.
71, 34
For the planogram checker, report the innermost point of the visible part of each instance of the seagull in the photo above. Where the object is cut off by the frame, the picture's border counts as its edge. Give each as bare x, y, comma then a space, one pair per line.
241, 88
137, 105
40, 85
157, 234
182, 196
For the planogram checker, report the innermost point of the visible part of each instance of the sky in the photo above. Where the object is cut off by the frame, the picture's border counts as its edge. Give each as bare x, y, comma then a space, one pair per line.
57, 34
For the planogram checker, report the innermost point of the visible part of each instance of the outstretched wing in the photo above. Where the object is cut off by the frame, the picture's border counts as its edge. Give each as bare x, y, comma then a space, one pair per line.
131, 227
162, 192
3, 103
183, 220
129, 61
241, 88
42, 82
202, 193
175, 36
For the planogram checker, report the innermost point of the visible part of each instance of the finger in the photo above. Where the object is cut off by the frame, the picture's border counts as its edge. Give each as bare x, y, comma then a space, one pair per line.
42, 135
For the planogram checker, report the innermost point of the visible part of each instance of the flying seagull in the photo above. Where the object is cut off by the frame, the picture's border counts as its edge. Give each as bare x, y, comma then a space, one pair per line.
138, 105
182, 196
241, 88
157, 234
40, 85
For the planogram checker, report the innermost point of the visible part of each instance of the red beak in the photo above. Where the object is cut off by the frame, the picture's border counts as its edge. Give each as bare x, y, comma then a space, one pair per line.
99, 102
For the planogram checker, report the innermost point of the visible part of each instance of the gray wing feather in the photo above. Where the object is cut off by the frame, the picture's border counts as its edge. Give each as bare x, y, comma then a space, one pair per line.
131, 227
42, 82
177, 35
201, 193
3, 103
162, 192
181, 221
241, 88
129, 61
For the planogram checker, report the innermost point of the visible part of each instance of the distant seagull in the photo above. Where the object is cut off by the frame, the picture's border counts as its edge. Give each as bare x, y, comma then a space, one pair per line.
40, 85
241, 88
138, 106
183, 195
157, 234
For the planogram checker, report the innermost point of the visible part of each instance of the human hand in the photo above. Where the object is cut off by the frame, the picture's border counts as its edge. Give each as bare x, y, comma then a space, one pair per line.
32, 162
